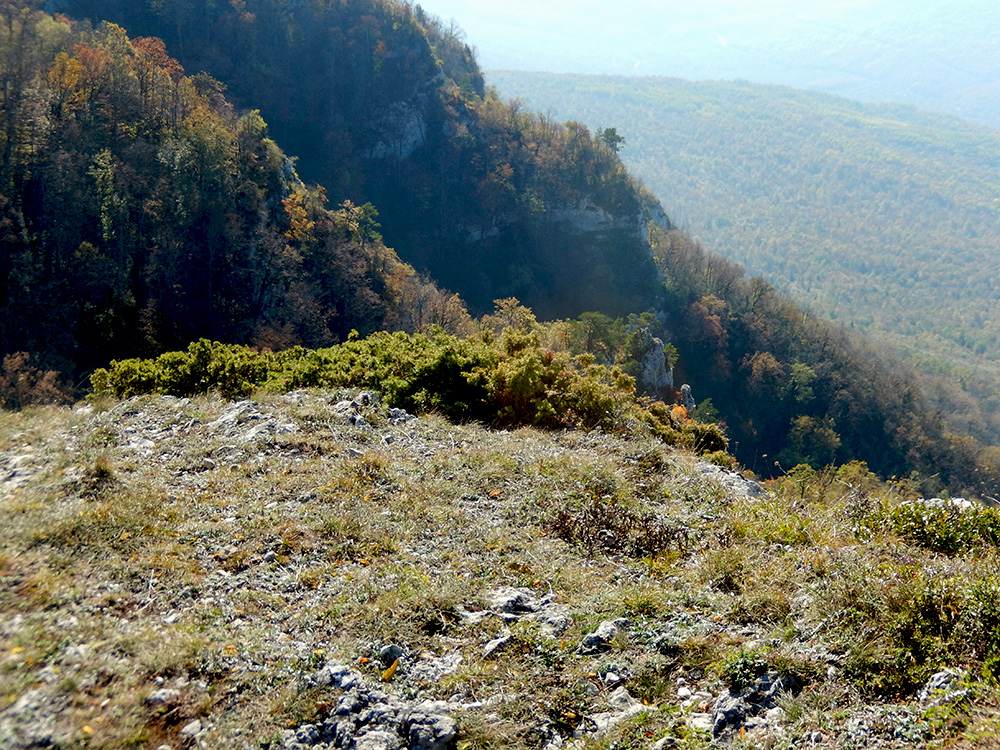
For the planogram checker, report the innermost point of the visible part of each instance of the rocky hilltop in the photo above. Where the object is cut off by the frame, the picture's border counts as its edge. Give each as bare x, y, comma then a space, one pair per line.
314, 570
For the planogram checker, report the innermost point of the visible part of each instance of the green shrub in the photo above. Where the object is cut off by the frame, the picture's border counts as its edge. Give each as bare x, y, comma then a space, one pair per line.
944, 526
741, 669
233, 371
505, 381
900, 624
979, 624
704, 438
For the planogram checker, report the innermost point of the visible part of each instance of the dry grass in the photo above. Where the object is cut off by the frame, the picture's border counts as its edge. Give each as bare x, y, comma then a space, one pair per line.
144, 548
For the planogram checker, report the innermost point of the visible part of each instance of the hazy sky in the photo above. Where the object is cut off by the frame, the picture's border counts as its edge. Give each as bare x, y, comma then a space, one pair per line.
565, 32
942, 54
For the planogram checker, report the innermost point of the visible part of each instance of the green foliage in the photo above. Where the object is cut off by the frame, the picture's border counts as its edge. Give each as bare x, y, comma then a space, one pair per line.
812, 442
979, 626
946, 526
611, 138
510, 380
705, 411
911, 636
742, 668
597, 334
233, 371
801, 390
176, 220
705, 438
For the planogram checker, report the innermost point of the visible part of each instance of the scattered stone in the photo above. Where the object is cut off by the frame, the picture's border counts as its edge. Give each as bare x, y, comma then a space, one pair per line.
625, 707
553, 619
367, 398
514, 602
356, 712
729, 711
164, 696
623, 700
399, 416
389, 653
14, 471
76, 654
730, 481
350, 411
492, 649
701, 722
587, 687
600, 640
732, 710
942, 688
31, 721
379, 740
668, 645
775, 715
427, 728
244, 423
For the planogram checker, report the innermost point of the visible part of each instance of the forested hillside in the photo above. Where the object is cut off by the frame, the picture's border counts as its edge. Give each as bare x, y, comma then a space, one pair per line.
145, 211
140, 212
383, 103
880, 216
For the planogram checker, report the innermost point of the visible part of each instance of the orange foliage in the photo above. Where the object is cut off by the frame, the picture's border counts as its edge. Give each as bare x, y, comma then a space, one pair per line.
153, 49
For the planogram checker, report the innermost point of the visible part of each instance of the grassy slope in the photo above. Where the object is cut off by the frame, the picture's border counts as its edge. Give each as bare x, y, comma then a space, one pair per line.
154, 545
881, 216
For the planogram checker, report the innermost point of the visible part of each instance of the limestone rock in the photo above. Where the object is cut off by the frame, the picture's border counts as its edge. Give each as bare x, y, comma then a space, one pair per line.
600, 640
942, 688
427, 728
655, 378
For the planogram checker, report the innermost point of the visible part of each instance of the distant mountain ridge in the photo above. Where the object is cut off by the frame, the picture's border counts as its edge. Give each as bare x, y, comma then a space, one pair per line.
940, 56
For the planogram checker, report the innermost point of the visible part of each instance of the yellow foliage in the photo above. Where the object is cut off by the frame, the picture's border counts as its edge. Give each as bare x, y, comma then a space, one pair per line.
300, 227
